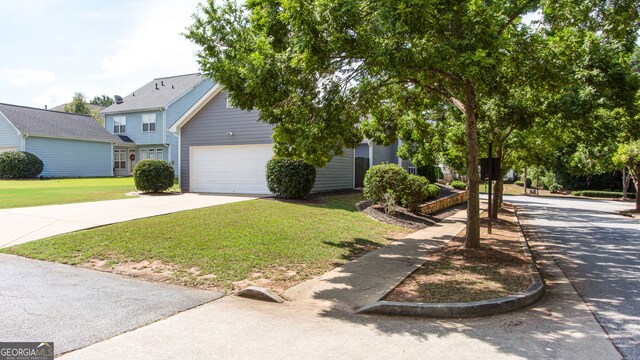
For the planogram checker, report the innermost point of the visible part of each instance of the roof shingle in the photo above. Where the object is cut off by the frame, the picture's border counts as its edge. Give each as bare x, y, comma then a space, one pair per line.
49, 123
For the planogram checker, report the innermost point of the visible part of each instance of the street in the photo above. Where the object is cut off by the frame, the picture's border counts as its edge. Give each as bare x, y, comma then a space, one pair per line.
600, 254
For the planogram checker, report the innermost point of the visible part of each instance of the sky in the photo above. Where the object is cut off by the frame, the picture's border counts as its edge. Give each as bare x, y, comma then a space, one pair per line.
50, 49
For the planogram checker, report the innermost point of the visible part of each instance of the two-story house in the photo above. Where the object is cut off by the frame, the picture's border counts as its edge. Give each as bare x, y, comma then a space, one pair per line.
142, 118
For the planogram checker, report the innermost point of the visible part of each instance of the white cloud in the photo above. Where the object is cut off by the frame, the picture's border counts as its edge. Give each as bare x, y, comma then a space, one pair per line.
155, 45
53, 96
23, 77
68, 59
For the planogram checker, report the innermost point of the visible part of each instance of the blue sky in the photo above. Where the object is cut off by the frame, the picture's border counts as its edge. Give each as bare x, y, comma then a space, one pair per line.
53, 48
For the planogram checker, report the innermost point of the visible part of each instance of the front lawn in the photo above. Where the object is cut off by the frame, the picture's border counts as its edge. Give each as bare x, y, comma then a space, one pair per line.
509, 189
265, 242
22, 193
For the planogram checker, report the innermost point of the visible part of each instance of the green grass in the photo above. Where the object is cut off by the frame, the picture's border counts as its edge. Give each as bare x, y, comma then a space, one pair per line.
509, 189
22, 193
228, 242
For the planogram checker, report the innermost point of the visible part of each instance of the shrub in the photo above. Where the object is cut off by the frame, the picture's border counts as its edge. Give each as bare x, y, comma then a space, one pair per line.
417, 190
19, 165
519, 183
602, 194
529, 182
388, 203
153, 176
431, 172
290, 178
459, 185
555, 188
384, 179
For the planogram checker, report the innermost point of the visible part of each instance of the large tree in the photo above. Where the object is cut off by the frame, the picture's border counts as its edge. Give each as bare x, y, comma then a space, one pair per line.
318, 69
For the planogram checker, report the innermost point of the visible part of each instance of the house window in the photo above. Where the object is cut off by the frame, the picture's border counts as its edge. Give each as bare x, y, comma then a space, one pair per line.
230, 104
119, 124
119, 159
151, 153
148, 122
412, 169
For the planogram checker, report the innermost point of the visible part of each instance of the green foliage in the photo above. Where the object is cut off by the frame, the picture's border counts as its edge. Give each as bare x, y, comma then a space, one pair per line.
628, 155
19, 165
458, 185
289, 178
519, 183
385, 179
416, 190
102, 100
431, 172
555, 188
153, 176
78, 105
601, 194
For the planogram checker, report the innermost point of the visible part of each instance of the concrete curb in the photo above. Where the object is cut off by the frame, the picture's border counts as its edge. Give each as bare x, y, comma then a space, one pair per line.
469, 309
258, 293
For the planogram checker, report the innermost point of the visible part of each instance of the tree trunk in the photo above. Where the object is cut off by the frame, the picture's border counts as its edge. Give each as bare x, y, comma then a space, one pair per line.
636, 183
525, 180
473, 178
624, 184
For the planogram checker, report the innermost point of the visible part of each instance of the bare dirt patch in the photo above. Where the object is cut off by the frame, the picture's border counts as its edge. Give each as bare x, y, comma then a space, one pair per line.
455, 274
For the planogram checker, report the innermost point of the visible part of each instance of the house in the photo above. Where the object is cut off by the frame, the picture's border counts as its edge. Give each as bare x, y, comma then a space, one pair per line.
69, 145
143, 117
223, 149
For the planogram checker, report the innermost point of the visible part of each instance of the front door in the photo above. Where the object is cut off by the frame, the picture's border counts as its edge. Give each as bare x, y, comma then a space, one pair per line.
132, 160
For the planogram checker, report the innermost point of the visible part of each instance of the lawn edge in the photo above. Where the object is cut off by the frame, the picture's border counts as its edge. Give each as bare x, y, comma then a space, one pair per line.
481, 308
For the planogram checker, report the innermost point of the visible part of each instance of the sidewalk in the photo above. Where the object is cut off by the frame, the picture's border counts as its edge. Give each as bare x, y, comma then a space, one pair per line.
319, 322
368, 278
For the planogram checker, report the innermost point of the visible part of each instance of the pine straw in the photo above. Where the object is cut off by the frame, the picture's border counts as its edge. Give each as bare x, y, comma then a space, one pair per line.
456, 274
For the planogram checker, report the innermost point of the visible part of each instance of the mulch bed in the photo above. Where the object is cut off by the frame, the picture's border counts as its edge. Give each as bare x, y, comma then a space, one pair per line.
404, 217
457, 274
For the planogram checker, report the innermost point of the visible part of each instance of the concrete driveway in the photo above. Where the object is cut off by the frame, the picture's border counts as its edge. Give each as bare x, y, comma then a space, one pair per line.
20, 225
75, 307
599, 251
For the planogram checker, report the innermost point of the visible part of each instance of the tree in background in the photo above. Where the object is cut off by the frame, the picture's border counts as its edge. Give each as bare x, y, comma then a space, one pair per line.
79, 105
102, 100
628, 155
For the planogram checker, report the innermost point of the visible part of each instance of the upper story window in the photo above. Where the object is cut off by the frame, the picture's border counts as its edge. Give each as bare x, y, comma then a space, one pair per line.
230, 104
119, 124
148, 122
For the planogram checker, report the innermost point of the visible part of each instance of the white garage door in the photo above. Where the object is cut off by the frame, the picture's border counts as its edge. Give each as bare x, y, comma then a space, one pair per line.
230, 169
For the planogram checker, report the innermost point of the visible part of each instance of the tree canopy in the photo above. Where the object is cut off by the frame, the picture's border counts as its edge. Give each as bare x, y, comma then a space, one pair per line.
326, 73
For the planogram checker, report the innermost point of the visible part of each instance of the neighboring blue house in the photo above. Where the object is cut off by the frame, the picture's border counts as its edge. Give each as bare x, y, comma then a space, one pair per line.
69, 145
143, 117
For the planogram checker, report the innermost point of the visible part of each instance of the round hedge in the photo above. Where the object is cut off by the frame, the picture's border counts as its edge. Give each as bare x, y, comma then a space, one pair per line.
384, 179
19, 165
289, 178
458, 185
153, 176
416, 190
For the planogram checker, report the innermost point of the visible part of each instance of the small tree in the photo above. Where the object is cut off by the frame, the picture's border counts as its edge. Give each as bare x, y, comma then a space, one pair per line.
629, 155
102, 100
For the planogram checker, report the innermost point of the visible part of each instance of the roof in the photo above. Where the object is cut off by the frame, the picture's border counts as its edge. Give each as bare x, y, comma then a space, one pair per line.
157, 94
90, 106
195, 108
57, 124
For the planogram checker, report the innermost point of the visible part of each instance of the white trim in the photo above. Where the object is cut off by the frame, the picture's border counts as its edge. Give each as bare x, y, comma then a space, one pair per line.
119, 126
155, 122
195, 108
76, 139
370, 143
116, 113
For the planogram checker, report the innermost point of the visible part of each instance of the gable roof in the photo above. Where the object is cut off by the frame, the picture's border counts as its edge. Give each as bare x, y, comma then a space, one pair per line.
204, 100
155, 95
90, 106
49, 123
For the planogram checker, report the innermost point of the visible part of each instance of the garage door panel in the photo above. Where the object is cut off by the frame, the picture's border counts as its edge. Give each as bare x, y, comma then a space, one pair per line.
230, 169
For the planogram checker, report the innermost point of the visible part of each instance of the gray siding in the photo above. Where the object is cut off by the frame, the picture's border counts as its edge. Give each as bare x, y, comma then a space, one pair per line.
211, 125
337, 175
362, 151
71, 158
8, 134
385, 154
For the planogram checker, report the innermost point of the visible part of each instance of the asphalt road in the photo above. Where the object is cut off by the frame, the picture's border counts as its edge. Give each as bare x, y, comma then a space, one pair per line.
75, 307
599, 251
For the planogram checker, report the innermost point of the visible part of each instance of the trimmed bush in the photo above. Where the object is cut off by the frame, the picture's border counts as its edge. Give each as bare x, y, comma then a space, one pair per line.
289, 178
458, 185
417, 190
555, 188
603, 194
529, 182
384, 179
19, 165
519, 183
153, 176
